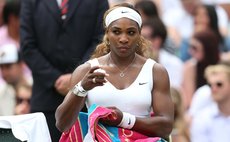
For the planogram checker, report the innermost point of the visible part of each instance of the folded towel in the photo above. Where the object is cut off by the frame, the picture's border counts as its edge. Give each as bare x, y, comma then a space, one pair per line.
100, 132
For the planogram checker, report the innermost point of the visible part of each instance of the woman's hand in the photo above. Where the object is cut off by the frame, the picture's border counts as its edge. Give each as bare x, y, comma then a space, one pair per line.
113, 119
95, 77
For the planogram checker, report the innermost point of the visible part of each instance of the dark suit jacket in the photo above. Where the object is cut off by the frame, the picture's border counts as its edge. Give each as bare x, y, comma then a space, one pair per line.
52, 47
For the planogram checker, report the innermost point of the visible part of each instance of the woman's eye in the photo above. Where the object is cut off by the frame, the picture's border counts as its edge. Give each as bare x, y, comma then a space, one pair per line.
131, 32
116, 32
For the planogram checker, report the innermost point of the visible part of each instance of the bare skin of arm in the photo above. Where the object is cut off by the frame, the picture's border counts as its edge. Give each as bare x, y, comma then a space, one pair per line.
188, 83
67, 113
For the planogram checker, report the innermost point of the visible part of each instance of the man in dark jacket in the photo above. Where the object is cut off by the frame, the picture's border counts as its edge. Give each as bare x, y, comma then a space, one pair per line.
54, 44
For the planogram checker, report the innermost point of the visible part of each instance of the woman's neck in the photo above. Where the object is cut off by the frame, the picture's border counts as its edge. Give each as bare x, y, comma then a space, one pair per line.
122, 68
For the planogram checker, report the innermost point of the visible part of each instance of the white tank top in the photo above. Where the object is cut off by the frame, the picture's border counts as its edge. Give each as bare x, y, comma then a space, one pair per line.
136, 99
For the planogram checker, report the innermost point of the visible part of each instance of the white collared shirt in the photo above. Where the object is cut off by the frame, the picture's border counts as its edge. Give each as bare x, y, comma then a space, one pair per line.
210, 126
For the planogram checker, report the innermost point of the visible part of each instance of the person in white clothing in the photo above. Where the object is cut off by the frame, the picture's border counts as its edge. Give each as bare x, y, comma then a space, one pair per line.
201, 99
11, 67
212, 124
130, 84
180, 21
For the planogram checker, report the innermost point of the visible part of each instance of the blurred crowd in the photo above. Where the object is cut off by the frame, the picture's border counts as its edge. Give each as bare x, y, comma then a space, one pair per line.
190, 38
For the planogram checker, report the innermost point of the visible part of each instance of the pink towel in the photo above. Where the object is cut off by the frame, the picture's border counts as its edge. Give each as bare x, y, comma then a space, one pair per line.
100, 132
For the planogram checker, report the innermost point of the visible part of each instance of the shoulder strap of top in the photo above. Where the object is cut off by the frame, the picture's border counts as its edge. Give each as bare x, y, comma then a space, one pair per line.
93, 62
147, 70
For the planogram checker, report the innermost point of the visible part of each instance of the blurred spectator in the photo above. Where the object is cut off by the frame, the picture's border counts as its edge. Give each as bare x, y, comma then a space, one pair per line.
205, 18
147, 9
165, 6
155, 31
212, 123
180, 131
201, 99
205, 51
23, 95
180, 21
223, 3
9, 32
2, 2
12, 72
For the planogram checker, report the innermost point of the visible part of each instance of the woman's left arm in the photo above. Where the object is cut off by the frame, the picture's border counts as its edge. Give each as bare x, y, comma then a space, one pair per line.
161, 124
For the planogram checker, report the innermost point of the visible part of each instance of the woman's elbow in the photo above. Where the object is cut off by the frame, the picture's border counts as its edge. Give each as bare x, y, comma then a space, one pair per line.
62, 127
61, 122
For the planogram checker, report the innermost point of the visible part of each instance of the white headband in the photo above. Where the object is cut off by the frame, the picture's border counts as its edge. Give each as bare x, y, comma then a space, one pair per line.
122, 12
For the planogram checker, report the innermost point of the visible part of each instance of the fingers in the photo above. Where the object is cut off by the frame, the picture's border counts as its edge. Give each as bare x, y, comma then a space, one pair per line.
114, 118
95, 77
93, 69
97, 74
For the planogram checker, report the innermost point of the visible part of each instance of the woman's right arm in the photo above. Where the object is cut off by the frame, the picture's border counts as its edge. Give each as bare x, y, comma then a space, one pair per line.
67, 113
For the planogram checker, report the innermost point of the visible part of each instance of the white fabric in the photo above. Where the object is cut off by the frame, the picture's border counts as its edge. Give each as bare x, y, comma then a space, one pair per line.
222, 17
202, 98
216, 1
8, 54
136, 99
88, 137
122, 12
28, 127
181, 20
7, 99
210, 126
173, 65
128, 121
59, 2
168, 5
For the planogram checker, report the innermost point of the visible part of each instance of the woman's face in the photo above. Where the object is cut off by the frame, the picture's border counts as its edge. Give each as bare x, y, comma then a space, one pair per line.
123, 35
201, 18
196, 49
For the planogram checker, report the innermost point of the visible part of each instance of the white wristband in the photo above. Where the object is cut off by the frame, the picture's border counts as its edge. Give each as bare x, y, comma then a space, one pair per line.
127, 121
81, 89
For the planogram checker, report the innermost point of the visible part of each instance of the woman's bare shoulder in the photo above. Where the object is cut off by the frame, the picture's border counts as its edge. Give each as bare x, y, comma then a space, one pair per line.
159, 69
80, 72
160, 74
81, 68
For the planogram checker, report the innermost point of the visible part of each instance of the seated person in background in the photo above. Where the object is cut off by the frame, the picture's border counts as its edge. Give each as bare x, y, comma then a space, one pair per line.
147, 9
11, 67
204, 48
180, 131
132, 85
212, 123
23, 95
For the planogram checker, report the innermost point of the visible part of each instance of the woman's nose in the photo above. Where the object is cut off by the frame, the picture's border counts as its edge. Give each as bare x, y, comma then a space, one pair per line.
124, 38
